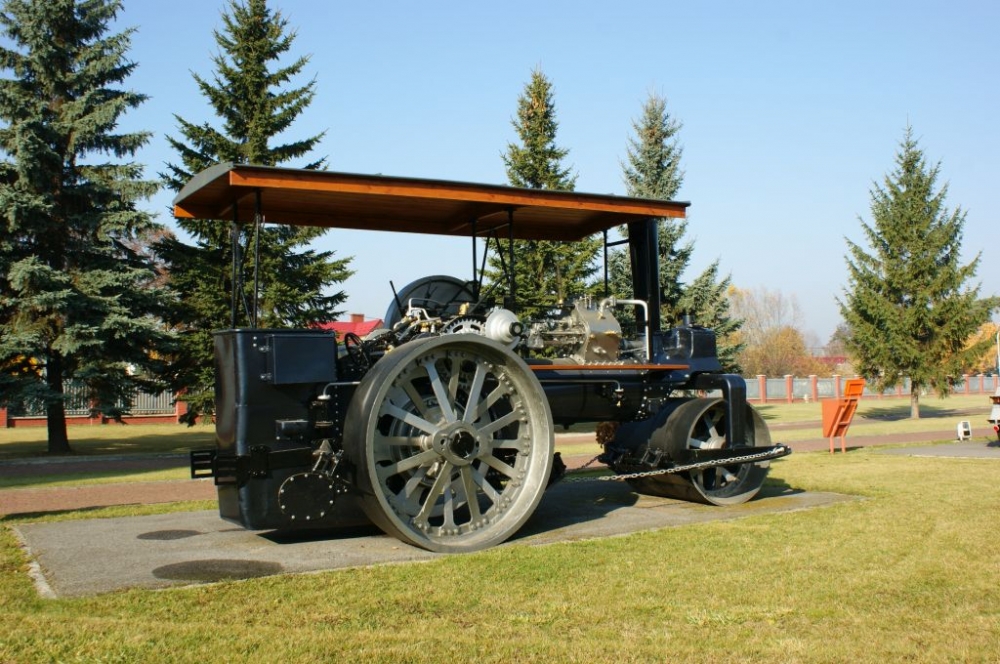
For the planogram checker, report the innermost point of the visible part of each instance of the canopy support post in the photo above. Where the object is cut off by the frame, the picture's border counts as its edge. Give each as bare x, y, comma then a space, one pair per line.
237, 259
475, 263
607, 289
258, 227
511, 302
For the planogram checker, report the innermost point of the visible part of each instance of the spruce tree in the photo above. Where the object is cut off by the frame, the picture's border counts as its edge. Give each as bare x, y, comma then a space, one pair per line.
706, 301
653, 170
908, 303
547, 273
77, 301
249, 93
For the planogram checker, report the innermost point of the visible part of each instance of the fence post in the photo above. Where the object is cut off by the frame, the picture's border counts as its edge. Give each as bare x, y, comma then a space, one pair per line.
982, 384
789, 394
762, 387
814, 387
836, 386
4, 422
180, 409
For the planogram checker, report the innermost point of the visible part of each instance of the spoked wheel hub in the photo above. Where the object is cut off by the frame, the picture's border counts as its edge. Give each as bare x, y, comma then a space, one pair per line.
459, 444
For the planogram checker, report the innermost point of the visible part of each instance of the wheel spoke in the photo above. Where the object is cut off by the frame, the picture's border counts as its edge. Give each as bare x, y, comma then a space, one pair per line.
484, 484
472, 405
498, 465
496, 425
448, 509
518, 444
405, 498
416, 399
498, 393
407, 417
456, 376
405, 495
444, 399
424, 458
712, 419
398, 441
441, 482
471, 495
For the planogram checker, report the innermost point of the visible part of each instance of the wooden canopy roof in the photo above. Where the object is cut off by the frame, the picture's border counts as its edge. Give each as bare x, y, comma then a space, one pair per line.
375, 202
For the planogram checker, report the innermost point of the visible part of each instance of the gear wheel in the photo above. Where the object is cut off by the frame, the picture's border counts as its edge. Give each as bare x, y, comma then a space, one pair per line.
464, 325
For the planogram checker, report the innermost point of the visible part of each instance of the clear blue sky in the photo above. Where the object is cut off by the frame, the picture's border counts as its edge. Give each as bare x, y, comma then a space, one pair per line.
790, 111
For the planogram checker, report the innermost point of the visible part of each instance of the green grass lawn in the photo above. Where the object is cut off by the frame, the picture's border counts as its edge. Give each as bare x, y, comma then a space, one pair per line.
909, 573
932, 410
103, 439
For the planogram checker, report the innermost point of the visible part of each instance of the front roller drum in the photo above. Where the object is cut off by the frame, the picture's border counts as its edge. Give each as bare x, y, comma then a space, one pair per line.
701, 424
452, 441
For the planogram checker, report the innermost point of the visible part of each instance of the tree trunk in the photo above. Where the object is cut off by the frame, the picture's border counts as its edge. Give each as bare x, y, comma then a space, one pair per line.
914, 402
55, 411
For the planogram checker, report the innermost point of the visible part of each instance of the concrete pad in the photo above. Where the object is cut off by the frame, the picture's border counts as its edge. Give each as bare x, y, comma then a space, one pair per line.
78, 558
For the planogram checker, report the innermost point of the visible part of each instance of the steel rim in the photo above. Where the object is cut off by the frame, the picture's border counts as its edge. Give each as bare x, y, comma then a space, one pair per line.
458, 444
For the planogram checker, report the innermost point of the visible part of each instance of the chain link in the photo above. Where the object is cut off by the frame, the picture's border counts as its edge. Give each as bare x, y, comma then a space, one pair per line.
780, 451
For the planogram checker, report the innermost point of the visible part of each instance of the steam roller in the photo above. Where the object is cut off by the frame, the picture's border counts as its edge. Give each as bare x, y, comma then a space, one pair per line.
439, 426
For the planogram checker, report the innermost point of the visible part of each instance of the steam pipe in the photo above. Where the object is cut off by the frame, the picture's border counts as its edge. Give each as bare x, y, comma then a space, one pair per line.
613, 301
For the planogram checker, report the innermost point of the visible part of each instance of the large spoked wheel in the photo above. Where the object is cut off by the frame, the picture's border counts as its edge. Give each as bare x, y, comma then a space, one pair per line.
701, 424
452, 440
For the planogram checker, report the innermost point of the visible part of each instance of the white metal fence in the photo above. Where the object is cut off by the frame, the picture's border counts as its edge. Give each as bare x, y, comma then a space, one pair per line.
794, 388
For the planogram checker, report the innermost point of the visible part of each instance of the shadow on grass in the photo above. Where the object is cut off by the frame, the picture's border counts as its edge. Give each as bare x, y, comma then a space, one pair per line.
108, 439
766, 412
902, 412
106, 512
92, 470
79, 512
775, 486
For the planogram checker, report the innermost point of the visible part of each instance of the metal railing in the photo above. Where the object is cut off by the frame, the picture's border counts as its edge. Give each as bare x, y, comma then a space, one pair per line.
78, 403
797, 388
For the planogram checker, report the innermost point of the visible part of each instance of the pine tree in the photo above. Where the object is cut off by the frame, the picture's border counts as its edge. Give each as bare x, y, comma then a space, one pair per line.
248, 93
653, 170
77, 301
706, 301
537, 162
547, 273
908, 304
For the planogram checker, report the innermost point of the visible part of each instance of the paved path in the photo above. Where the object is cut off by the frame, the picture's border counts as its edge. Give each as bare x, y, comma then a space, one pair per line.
56, 499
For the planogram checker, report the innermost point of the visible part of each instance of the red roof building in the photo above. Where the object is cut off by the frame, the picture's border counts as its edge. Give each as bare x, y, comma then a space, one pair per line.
357, 325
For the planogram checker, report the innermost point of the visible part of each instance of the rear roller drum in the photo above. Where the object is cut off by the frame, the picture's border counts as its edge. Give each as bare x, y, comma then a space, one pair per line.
452, 441
701, 424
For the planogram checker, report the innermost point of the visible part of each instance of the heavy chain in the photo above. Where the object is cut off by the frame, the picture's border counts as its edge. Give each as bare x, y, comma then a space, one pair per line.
781, 451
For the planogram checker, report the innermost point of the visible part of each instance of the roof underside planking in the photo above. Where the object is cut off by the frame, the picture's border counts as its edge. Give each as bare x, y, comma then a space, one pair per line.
375, 202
